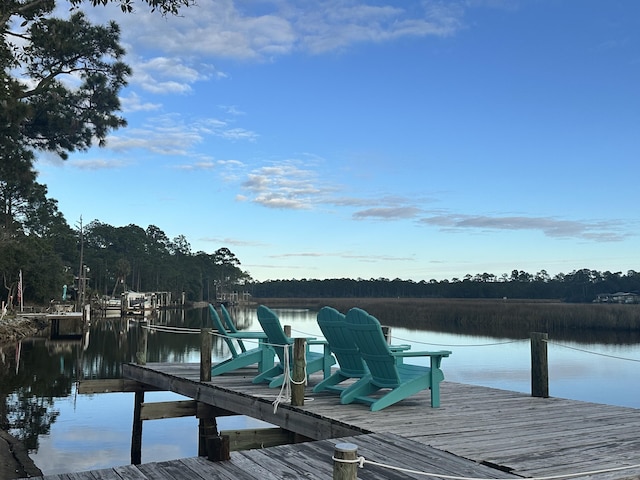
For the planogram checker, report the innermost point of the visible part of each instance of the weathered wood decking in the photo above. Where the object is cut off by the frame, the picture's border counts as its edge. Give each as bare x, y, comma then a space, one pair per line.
311, 460
474, 429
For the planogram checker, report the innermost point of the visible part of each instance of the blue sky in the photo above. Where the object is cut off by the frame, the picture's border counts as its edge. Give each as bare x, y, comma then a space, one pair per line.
414, 140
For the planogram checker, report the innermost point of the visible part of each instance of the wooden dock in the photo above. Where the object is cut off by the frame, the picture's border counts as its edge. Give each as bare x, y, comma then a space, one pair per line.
477, 432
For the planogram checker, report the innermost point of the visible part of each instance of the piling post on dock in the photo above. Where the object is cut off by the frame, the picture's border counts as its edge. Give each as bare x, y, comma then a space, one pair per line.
298, 372
345, 466
209, 444
143, 335
206, 342
539, 365
136, 432
386, 331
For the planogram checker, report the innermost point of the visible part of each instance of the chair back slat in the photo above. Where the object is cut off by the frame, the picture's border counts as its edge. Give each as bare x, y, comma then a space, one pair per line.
271, 326
368, 336
217, 325
231, 327
334, 328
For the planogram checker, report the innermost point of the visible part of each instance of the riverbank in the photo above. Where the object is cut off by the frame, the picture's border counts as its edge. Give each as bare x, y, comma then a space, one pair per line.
14, 458
16, 328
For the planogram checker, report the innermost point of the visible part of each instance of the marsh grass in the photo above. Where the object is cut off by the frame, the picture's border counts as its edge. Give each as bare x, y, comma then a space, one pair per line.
590, 323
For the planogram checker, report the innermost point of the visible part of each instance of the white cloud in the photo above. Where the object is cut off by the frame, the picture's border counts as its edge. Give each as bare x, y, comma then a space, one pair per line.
167, 75
174, 135
549, 226
96, 164
259, 31
284, 186
134, 103
388, 213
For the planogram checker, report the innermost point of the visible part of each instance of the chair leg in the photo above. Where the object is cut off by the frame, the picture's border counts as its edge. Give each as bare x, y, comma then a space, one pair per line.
267, 375
222, 367
266, 359
327, 383
361, 388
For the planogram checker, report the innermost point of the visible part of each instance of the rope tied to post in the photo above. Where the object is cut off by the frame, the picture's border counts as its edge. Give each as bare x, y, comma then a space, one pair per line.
361, 461
285, 389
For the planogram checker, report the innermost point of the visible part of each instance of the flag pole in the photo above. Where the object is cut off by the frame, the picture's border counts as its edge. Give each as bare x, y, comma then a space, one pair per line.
20, 292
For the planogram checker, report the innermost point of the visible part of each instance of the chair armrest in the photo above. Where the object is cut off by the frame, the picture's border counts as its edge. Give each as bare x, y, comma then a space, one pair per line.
399, 348
247, 335
441, 353
435, 357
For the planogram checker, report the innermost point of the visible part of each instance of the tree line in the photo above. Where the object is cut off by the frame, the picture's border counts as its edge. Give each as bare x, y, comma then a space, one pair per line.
108, 260
577, 286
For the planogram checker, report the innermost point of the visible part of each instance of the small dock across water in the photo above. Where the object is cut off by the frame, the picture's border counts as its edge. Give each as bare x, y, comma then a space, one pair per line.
477, 432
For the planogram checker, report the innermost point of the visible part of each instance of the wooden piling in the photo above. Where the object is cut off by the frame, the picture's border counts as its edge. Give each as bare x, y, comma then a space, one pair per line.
386, 331
143, 335
206, 343
218, 448
345, 470
298, 372
207, 427
136, 432
539, 365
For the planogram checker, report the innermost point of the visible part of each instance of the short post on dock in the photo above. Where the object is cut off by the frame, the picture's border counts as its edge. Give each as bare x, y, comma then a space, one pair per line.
298, 372
539, 365
345, 466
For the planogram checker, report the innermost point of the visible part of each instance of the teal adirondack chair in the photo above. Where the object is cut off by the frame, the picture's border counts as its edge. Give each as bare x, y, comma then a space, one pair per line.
263, 355
399, 380
341, 343
277, 339
231, 327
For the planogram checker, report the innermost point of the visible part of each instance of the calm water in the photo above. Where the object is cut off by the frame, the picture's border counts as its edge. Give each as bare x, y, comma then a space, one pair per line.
68, 432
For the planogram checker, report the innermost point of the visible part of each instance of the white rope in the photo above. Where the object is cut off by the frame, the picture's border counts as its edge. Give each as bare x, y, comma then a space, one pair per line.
361, 461
462, 344
285, 389
216, 333
592, 353
170, 329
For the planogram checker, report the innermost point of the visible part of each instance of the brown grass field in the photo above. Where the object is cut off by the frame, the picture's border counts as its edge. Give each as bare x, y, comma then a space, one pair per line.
609, 323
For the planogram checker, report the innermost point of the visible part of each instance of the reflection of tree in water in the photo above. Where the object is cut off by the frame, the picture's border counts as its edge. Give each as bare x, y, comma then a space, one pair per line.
48, 368
29, 416
27, 396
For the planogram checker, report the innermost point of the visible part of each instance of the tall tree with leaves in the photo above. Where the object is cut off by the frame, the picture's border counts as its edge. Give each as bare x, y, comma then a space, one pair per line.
60, 80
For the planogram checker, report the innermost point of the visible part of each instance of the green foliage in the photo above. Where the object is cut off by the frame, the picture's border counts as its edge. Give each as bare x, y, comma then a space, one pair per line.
578, 286
130, 257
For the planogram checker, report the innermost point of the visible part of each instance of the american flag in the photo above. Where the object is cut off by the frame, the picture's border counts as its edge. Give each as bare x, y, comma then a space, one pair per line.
20, 286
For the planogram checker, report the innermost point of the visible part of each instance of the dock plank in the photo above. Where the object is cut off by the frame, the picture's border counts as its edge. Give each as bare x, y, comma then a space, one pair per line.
477, 432
511, 430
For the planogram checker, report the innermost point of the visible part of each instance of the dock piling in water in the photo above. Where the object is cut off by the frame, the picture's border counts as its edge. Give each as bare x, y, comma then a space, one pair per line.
539, 365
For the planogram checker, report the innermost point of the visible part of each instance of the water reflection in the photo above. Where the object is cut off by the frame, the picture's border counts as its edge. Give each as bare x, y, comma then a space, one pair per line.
65, 431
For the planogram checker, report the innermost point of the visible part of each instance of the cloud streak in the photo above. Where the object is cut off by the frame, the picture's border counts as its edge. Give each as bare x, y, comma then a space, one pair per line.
287, 186
176, 135
609, 231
